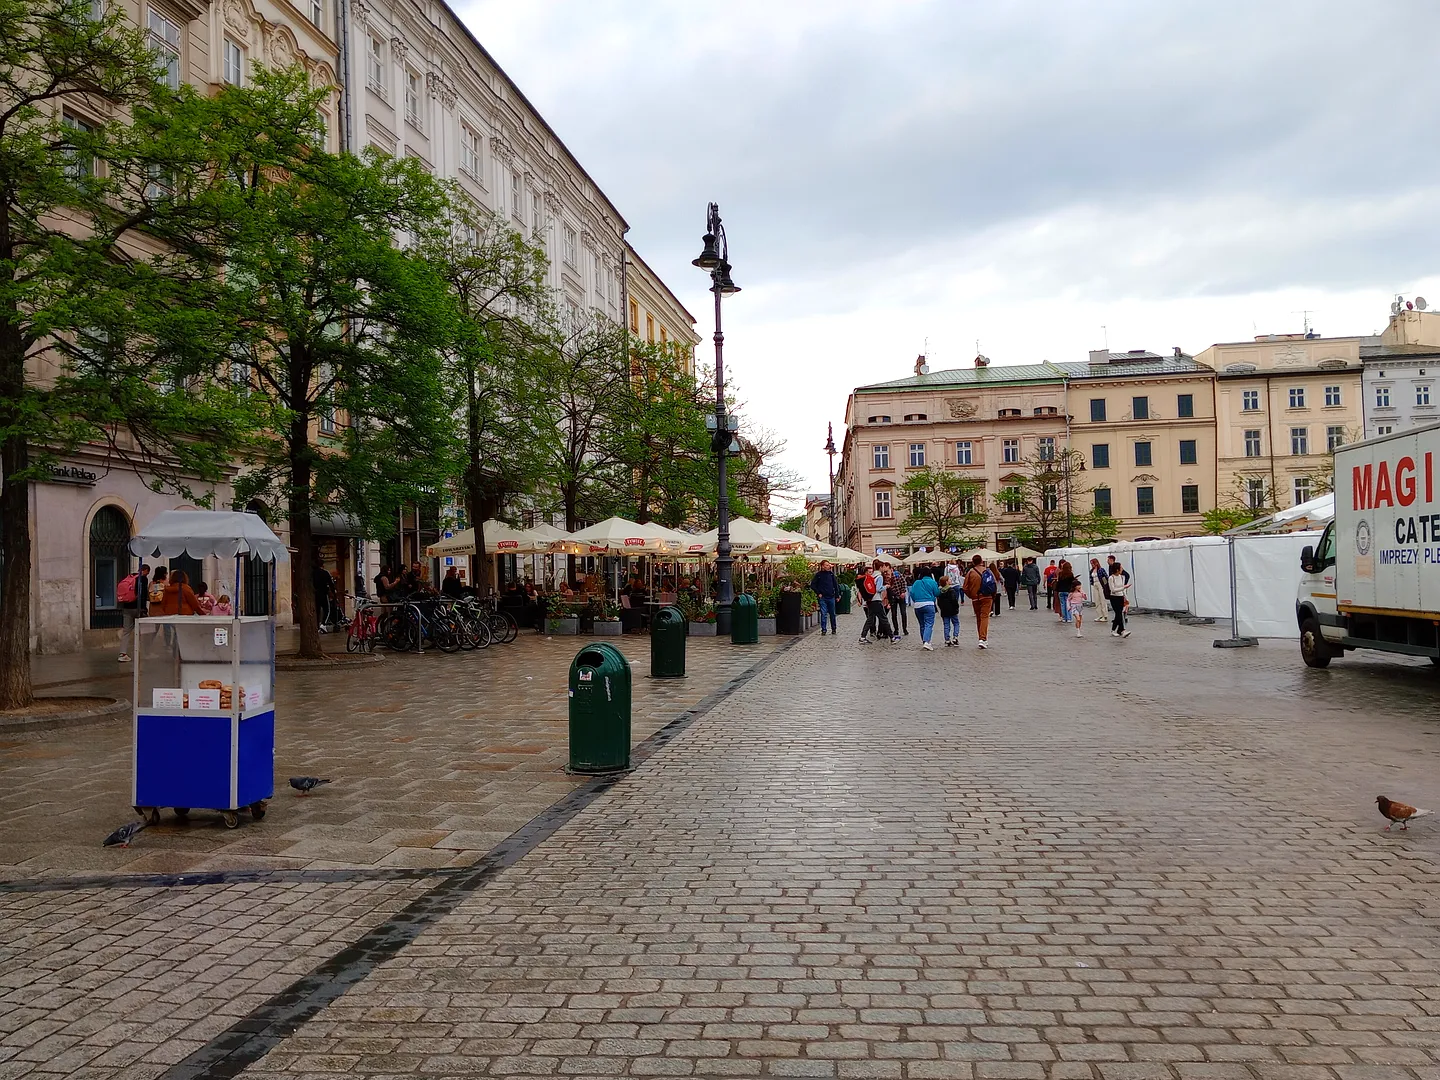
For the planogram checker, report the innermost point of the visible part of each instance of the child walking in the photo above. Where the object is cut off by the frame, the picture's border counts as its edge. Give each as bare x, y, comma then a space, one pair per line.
949, 604
1077, 605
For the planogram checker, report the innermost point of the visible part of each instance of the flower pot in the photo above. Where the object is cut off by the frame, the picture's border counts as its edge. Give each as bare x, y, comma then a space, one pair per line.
767, 627
606, 629
563, 627
702, 629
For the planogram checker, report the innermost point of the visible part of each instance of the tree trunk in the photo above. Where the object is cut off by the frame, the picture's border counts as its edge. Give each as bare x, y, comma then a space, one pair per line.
15, 688
570, 493
301, 539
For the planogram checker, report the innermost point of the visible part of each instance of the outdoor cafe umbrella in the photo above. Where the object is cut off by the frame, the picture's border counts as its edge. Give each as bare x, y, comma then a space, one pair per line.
887, 558
753, 538
916, 558
1022, 553
618, 536
988, 554
500, 539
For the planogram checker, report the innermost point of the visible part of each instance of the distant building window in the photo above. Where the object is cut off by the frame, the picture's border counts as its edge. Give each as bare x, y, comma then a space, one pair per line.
963, 455
470, 151
1010, 451
517, 197
1384, 429
879, 419
1142, 453
164, 35
1102, 500
1100, 456
1189, 498
634, 317
1297, 397
880, 456
1050, 496
1299, 441
1255, 493
1046, 410
80, 163
1334, 438
1045, 448
412, 98
1302, 489
1185, 406
375, 64
917, 455
1144, 500
1010, 412
664, 336
1252, 442
967, 504
1010, 499
317, 12
1140, 408
1097, 409
916, 416
1422, 395
1187, 452
649, 327
882, 504
234, 72
1332, 396
1250, 401
570, 240
1382, 397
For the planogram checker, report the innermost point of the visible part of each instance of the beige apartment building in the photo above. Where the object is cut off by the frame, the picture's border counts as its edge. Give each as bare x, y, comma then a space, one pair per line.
655, 314
1283, 403
1143, 425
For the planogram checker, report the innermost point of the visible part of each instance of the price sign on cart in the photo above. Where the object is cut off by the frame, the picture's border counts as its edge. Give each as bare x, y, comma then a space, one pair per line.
222, 636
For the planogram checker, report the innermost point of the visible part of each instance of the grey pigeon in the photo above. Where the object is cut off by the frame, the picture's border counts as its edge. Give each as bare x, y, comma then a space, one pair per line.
306, 784
122, 836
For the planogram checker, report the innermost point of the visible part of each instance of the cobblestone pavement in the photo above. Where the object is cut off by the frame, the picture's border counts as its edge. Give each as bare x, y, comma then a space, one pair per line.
1058, 858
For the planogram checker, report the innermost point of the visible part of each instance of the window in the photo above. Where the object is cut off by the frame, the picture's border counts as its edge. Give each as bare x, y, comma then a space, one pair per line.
159, 182
1009, 412
1250, 401
81, 163
1102, 501
664, 336
1297, 397
1332, 396
1302, 489
1045, 448
412, 97
1144, 500
1299, 441
327, 402
1010, 451
1255, 493
1140, 408
649, 327
1050, 497
570, 240
1384, 429
879, 419
882, 504
1334, 438
1100, 456
165, 40
1010, 499
470, 151
1187, 452
317, 12
1189, 498
634, 317
917, 455
234, 71
1382, 397
517, 200
963, 455
967, 504
1097, 409
1185, 406
1422, 395
916, 416
97, 10
1046, 410
375, 64
1142, 453
1252, 442
880, 456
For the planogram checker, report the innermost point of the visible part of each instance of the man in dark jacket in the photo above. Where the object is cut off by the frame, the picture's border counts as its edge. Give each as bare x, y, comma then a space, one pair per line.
1012, 581
1030, 578
826, 587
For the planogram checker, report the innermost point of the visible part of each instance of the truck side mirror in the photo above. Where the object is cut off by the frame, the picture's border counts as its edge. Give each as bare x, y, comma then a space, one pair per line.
1307, 559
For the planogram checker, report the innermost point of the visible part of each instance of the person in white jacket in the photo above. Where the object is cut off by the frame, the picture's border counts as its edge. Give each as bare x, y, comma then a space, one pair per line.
1119, 586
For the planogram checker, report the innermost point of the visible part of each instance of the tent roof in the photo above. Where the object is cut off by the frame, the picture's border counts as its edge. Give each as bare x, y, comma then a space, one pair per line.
203, 533
1308, 515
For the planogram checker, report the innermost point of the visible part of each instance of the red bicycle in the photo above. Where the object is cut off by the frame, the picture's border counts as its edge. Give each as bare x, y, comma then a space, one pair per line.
364, 630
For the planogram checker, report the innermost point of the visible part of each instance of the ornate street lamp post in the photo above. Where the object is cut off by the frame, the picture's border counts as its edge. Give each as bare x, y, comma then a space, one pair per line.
717, 261
830, 449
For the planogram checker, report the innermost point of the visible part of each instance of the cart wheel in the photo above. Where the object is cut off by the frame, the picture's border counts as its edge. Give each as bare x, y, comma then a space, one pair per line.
257, 810
152, 815
231, 819
182, 812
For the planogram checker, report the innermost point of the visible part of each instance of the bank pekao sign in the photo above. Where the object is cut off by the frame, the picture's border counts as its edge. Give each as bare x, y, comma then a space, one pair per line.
71, 474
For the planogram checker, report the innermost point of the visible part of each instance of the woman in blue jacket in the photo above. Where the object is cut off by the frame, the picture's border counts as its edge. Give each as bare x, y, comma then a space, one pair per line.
924, 591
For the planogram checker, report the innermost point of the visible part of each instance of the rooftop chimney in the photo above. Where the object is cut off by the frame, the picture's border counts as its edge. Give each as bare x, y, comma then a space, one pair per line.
981, 360
1099, 356
1178, 351
921, 366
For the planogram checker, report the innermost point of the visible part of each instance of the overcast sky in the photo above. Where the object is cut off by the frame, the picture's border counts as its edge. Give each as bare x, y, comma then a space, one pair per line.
897, 172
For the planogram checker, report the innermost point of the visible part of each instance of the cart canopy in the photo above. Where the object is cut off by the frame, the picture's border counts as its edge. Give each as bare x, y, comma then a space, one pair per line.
203, 533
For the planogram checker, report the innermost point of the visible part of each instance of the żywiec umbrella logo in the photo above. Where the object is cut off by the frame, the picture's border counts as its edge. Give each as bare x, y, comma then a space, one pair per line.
634, 541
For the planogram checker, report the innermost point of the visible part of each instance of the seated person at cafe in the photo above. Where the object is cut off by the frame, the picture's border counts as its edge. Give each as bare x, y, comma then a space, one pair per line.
451, 585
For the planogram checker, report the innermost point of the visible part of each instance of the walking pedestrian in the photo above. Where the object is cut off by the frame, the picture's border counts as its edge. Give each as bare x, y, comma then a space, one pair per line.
982, 587
924, 591
1011, 576
1050, 572
1030, 578
999, 590
1119, 585
1100, 576
872, 588
1064, 585
897, 593
132, 596
826, 588
947, 602
1077, 605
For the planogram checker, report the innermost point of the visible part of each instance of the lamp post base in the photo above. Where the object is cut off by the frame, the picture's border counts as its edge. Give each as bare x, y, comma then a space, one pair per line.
722, 620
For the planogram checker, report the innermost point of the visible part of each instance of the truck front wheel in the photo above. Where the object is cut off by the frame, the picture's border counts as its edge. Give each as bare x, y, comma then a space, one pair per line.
1313, 649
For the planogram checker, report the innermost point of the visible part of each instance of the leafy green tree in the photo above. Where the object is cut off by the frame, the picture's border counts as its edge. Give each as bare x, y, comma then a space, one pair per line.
1095, 527
99, 343
795, 524
940, 506
1044, 490
336, 328
1239, 506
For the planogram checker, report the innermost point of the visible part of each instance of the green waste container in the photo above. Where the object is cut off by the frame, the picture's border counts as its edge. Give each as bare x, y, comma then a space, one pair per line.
669, 630
744, 621
599, 710
842, 602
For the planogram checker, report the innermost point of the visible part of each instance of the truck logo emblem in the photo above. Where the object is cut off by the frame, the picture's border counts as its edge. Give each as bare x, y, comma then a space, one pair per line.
1362, 537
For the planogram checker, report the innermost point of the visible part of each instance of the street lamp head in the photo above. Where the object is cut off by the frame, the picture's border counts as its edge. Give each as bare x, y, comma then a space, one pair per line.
710, 257
721, 276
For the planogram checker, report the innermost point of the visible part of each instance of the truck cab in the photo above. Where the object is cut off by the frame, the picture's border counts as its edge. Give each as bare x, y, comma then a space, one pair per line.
1322, 630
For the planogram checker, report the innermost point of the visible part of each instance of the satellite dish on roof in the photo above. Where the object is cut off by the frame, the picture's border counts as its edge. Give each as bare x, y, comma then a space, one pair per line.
1420, 304
1394, 307
925, 368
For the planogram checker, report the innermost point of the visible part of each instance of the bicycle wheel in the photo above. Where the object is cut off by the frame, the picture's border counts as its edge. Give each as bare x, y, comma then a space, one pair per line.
445, 633
503, 627
353, 643
477, 631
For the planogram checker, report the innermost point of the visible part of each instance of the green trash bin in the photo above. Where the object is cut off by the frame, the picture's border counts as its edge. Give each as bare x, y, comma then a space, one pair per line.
669, 630
599, 710
744, 621
842, 602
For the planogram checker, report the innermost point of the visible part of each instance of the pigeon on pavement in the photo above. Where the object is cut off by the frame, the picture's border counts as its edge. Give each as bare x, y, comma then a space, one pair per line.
1398, 811
122, 836
306, 784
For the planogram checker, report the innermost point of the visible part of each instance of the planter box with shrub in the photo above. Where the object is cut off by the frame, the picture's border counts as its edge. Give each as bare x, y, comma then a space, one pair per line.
563, 627
702, 629
606, 629
767, 627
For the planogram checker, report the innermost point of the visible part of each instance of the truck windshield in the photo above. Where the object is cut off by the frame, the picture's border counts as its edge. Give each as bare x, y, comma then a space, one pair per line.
1326, 550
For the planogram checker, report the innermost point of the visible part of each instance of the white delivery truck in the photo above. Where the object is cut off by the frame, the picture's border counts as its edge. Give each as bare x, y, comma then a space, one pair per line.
1373, 580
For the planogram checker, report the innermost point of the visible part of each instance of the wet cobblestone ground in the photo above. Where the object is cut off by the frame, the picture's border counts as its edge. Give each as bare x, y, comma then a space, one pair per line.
1058, 858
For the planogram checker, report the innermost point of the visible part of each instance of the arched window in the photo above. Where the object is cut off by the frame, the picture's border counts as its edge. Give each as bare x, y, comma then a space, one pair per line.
109, 562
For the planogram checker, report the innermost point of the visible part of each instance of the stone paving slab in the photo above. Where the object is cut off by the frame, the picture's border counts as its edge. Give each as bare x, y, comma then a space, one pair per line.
1060, 858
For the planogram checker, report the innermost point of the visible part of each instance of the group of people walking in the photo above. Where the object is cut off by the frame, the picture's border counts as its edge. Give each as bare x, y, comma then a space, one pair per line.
937, 592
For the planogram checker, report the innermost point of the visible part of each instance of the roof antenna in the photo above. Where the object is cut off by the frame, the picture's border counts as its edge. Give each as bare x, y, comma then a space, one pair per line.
1106, 331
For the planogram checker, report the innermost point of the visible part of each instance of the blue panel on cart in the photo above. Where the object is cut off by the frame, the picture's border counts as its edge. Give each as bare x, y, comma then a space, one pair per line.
257, 758
182, 761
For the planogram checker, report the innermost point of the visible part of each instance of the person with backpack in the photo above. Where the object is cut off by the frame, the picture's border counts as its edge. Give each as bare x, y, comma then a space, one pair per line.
1030, 578
897, 594
132, 596
869, 585
981, 586
1064, 586
1050, 572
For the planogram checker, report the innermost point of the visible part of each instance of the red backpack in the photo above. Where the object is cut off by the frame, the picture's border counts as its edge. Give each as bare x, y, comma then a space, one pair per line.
125, 591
